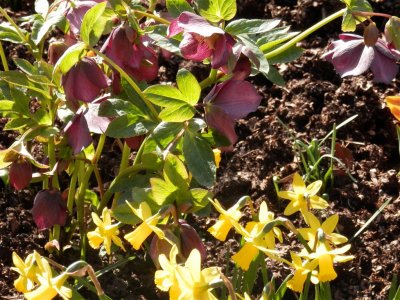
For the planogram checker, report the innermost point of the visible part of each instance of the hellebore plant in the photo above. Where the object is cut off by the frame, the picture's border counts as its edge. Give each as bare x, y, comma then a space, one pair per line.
87, 103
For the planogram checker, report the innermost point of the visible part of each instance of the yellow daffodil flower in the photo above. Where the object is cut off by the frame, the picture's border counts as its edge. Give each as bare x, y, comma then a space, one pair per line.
27, 272
302, 268
221, 228
194, 283
105, 233
328, 226
48, 287
325, 258
165, 279
140, 234
256, 240
303, 197
217, 157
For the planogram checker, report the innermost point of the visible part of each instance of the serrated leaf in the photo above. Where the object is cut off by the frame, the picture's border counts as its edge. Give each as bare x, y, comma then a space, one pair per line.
25, 66
199, 159
123, 213
21, 101
41, 28
118, 107
189, 86
162, 191
162, 95
93, 24
288, 55
70, 57
7, 105
217, 10
175, 172
254, 26
127, 126
21, 79
18, 123
9, 34
177, 112
42, 117
176, 7
200, 197
348, 23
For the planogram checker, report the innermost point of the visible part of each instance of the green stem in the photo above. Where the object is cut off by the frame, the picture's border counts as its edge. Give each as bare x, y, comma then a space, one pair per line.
126, 152
370, 14
72, 186
138, 157
305, 34
52, 161
211, 79
130, 81
152, 16
152, 6
3, 58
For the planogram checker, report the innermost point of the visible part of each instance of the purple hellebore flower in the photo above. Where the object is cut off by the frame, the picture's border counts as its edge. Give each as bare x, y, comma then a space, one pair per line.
125, 47
20, 173
84, 81
49, 209
351, 57
202, 40
85, 121
228, 102
75, 14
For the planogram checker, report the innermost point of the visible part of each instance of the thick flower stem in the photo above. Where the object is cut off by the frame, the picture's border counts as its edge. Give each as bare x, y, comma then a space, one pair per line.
211, 79
305, 34
72, 186
52, 162
152, 16
130, 81
370, 14
3, 58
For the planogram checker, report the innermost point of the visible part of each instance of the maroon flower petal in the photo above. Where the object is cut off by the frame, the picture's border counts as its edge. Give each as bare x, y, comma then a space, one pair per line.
96, 124
193, 48
217, 119
173, 28
221, 52
237, 98
190, 240
78, 134
346, 56
193, 23
20, 174
49, 209
384, 68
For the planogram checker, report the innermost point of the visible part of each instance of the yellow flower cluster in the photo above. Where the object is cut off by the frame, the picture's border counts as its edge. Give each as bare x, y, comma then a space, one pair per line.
37, 280
261, 235
186, 281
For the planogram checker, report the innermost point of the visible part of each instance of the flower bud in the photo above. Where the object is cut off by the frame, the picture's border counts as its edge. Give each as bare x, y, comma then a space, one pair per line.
371, 34
190, 240
49, 209
135, 142
20, 174
84, 81
392, 32
56, 50
161, 246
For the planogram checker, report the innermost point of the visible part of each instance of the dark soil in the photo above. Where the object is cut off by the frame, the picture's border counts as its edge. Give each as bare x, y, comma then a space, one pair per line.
312, 101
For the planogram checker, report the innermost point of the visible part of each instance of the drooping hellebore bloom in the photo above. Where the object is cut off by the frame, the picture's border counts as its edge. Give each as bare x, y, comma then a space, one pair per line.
303, 198
105, 233
126, 48
201, 40
20, 173
49, 209
148, 226
84, 81
228, 102
353, 55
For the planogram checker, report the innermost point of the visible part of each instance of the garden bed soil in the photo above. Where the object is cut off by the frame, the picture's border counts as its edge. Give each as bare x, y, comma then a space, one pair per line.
312, 101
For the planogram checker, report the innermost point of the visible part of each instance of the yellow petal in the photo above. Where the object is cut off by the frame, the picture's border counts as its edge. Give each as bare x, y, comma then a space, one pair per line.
297, 282
193, 263
326, 271
41, 293
289, 195
95, 239
299, 187
318, 203
313, 188
17, 261
117, 241
337, 238
138, 236
291, 208
97, 220
163, 280
245, 256
330, 224
220, 229
312, 220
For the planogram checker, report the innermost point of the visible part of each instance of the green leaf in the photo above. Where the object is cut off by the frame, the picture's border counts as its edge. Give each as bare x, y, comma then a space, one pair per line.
162, 135
42, 117
177, 112
127, 126
41, 28
254, 26
25, 66
18, 123
189, 86
159, 33
288, 55
175, 172
263, 63
217, 10
176, 7
200, 197
272, 39
118, 107
7, 105
349, 24
199, 159
162, 191
21, 79
9, 34
163, 95
70, 57
349, 21
93, 24
21, 101
91, 197
124, 214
